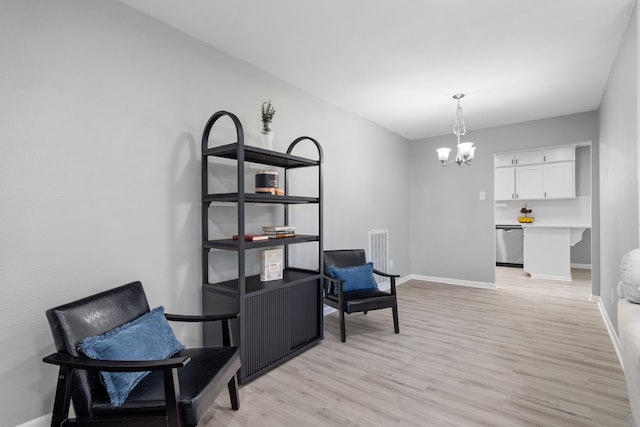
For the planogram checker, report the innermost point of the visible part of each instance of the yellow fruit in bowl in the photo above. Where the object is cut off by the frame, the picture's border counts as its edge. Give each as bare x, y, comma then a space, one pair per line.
525, 219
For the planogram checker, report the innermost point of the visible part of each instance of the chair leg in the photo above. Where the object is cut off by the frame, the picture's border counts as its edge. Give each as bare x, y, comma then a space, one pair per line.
233, 392
343, 333
396, 326
63, 397
172, 397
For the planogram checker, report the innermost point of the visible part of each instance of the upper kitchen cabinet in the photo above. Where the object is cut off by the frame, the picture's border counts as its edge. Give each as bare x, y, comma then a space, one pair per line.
535, 174
529, 182
559, 180
519, 158
504, 183
559, 154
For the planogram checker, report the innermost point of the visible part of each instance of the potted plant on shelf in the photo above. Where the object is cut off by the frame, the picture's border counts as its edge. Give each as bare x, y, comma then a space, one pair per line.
268, 111
525, 211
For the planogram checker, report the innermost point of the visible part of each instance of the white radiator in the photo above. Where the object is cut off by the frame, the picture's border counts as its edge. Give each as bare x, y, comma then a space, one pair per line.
379, 252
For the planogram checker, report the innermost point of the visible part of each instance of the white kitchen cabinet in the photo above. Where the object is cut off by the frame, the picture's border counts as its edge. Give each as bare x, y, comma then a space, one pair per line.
535, 174
535, 182
523, 182
504, 183
559, 180
519, 158
530, 182
560, 154
529, 157
503, 159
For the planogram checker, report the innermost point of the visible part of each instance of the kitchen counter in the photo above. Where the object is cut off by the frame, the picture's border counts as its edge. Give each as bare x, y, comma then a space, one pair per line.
555, 225
540, 224
547, 249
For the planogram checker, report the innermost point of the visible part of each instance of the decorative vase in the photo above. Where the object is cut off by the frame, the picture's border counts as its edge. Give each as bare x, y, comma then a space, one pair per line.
266, 136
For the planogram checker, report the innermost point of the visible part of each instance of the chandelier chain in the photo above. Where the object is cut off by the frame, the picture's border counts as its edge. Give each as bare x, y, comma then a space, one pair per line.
459, 127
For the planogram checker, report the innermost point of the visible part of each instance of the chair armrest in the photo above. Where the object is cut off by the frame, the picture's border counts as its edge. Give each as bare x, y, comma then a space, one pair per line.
393, 279
339, 283
226, 326
382, 273
68, 361
200, 317
332, 279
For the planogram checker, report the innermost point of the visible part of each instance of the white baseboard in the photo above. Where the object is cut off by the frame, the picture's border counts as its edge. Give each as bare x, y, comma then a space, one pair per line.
548, 277
43, 421
611, 330
582, 266
402, 280
326, 310
457, 282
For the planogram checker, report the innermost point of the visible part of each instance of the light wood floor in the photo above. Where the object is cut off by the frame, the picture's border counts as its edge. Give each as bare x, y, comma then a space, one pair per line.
532, 353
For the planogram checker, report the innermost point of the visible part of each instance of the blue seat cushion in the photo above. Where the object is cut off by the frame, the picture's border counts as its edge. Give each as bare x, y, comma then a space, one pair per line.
149, 337
357, 277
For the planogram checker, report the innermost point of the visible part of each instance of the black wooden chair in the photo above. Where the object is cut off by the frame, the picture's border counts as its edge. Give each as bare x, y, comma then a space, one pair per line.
177, 390
349, 286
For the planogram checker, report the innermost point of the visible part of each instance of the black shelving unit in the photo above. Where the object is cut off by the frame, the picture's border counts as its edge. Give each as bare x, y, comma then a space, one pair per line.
281, 318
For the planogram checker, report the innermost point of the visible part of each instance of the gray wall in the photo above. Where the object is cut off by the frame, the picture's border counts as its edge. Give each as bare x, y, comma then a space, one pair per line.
581, 252
102, 110
619, 166
452, 230
101, 113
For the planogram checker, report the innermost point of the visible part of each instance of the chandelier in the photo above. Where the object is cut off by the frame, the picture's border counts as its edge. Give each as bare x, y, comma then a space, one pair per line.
465, 150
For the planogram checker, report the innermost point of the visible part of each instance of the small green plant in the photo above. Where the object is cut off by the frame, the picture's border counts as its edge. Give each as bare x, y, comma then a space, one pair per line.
267, 112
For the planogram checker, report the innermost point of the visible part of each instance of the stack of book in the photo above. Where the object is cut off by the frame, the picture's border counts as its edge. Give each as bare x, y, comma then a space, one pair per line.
279, 232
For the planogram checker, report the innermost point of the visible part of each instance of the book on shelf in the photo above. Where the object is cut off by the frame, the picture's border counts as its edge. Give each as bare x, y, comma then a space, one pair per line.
279, 228
271, 264
252, 237
281, 235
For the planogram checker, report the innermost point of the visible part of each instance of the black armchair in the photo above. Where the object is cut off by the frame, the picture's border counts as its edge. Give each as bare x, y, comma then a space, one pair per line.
356, 300
175, 393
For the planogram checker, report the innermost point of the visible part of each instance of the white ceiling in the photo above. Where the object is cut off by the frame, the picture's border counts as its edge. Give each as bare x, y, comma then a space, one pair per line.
398, 62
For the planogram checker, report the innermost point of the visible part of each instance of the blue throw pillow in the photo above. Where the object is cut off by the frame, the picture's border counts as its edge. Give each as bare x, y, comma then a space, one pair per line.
356, 278
149, 337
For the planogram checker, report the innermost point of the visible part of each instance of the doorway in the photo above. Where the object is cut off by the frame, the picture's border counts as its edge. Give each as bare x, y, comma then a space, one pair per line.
571, 211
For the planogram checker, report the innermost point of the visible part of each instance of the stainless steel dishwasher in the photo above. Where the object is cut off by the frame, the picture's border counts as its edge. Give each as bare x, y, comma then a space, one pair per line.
509, 245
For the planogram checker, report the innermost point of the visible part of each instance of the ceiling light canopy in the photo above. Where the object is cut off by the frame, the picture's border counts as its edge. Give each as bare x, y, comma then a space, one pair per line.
465, 150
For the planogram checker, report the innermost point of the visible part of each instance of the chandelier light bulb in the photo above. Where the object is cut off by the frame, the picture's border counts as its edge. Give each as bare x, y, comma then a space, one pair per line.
443, 153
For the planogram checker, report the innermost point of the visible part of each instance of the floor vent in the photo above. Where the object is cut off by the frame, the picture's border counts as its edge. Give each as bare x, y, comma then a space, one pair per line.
379, 252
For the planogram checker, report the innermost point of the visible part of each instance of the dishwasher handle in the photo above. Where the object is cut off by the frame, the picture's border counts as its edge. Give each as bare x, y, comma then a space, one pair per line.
508, 227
